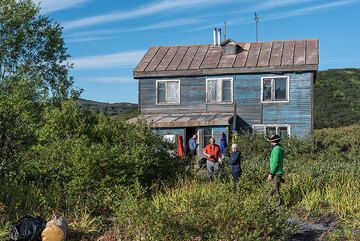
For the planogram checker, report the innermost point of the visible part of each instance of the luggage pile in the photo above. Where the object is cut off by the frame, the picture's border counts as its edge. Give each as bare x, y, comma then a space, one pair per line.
31, 228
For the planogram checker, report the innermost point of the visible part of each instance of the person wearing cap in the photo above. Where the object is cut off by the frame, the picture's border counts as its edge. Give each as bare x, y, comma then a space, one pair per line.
276, 166
234, 164
212, 152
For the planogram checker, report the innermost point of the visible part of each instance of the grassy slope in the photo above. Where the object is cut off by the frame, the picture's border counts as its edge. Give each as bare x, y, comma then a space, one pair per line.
337, 101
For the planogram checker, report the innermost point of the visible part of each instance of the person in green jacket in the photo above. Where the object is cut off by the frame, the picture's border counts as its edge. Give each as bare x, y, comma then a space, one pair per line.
276, 167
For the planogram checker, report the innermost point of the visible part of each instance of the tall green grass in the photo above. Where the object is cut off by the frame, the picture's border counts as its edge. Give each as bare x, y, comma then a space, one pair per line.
322, 179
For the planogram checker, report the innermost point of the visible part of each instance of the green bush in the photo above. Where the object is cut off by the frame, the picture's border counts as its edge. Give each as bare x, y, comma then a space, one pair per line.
80, 157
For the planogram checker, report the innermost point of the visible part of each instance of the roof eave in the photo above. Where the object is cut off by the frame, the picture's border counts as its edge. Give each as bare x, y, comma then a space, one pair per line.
222, 71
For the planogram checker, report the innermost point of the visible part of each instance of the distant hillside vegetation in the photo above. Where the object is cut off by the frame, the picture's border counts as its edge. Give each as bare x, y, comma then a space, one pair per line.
123, 108
336, 98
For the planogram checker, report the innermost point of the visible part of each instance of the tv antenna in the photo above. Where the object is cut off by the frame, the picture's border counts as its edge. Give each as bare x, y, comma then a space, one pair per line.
257, 27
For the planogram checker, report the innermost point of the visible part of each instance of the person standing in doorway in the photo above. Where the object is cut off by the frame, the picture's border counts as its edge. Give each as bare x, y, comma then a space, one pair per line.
192, 150
212, 152
276, 167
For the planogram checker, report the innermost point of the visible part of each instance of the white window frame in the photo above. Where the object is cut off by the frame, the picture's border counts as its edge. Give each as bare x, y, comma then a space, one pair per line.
273, 125
231, 86
157, 90
273, 89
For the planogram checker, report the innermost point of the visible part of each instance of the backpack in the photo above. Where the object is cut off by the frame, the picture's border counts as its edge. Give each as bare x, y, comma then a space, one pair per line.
28, 228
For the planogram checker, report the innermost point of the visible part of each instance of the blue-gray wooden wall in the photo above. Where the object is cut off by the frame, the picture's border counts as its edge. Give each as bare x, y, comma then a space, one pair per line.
247, 95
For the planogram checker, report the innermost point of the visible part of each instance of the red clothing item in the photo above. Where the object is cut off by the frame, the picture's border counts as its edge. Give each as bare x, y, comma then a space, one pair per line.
180, 147
212, 150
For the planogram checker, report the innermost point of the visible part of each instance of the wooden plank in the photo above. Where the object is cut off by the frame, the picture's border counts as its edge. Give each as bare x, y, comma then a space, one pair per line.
185, 63
167, 58
147, 58
265, 52
253, 55
312, 55
157, 59
288, 53
299, 54
276, 53
242, 56
227, 60
199, 57
175, 62
212, 58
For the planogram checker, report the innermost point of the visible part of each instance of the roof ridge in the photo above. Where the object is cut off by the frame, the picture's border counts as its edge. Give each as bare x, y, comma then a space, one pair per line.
288, 40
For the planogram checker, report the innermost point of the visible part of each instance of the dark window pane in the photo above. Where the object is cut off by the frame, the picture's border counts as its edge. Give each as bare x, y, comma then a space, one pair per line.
226, 90
267, 89
280, 89
283, 131
207, 132
161, 95
270, 131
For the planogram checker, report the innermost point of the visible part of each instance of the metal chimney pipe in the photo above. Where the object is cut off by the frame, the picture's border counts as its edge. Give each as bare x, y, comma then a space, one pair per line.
219, 36
215, 31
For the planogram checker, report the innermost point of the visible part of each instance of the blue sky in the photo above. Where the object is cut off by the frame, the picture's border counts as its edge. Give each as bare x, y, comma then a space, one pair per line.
106, 38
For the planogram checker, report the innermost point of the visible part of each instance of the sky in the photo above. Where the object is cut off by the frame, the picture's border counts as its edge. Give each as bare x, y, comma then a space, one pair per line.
107, 38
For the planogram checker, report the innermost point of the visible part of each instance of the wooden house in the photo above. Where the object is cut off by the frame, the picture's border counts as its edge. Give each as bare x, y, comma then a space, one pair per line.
266, 86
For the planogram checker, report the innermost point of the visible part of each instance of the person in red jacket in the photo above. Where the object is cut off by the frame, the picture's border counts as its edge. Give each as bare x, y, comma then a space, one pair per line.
212, 152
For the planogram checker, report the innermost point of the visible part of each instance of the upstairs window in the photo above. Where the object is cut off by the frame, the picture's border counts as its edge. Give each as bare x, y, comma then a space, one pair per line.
219, 90
275, 89
168, 92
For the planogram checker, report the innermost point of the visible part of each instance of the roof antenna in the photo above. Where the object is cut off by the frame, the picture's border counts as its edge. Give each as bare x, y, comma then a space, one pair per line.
225, 30
257, 27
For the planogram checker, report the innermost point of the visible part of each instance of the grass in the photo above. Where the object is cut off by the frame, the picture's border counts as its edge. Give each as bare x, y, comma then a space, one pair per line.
322, 180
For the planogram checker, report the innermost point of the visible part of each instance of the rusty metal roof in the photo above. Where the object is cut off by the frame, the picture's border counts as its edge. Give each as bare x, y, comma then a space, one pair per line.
206, 59
184, 120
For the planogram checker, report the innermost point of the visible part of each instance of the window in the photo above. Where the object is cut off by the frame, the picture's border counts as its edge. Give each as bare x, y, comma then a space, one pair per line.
219, 90
207, 134
275, 89
168, 91
269, 130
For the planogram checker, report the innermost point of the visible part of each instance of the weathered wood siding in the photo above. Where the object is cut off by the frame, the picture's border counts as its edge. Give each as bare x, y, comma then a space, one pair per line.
247, 95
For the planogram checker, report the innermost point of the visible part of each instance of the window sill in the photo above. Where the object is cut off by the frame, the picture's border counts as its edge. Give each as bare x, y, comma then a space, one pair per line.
274, 101
167, 103
220, 103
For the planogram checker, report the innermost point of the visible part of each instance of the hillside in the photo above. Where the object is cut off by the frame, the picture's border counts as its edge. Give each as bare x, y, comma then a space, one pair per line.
108, 108
336, 98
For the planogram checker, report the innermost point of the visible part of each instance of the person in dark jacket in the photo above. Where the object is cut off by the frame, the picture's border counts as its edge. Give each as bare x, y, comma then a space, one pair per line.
234, 164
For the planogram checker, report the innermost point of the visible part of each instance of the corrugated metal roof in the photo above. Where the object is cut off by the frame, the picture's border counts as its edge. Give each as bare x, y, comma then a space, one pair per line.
185, 120
290, 55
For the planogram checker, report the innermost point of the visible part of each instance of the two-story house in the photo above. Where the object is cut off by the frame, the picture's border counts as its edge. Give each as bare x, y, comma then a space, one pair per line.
266, 86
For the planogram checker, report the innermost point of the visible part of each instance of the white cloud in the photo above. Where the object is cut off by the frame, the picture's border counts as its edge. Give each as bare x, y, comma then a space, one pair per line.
113, 33
277, 3
108, 80
309, 10
141, 11
116, 60
48, 6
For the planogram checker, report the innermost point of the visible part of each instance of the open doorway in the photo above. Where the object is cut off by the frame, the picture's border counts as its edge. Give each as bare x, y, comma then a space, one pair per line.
190, 131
